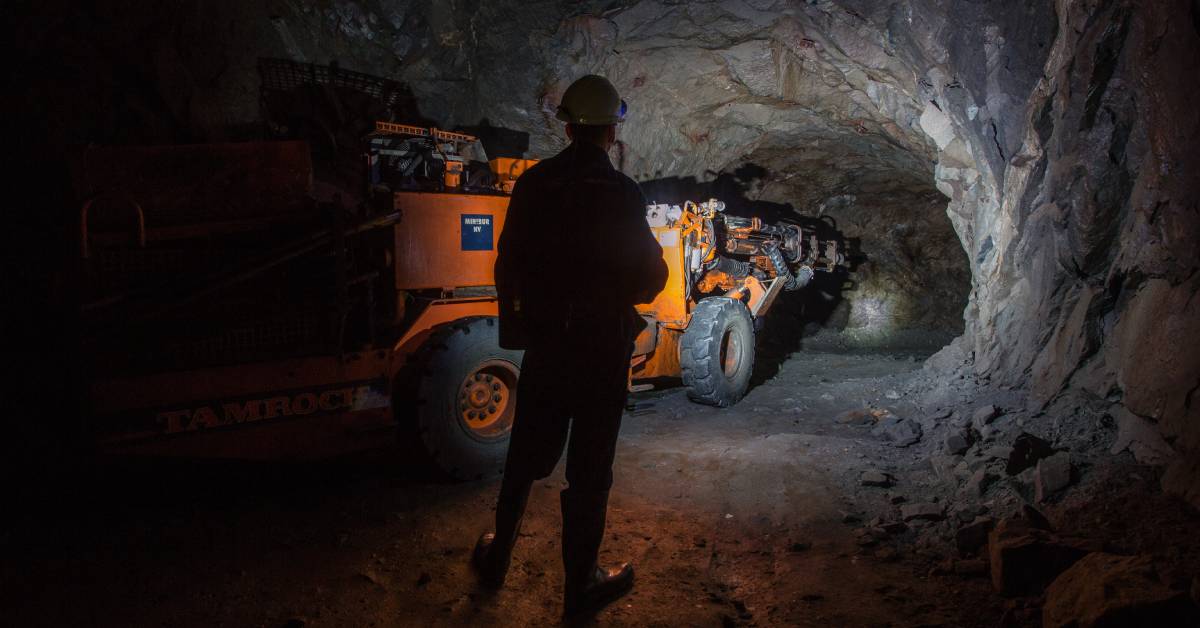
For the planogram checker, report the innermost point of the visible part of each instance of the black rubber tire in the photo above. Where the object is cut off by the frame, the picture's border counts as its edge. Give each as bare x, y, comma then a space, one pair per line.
720, 326
436, 401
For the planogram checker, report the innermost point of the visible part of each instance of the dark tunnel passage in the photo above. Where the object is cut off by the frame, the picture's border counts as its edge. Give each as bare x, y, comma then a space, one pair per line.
986, 416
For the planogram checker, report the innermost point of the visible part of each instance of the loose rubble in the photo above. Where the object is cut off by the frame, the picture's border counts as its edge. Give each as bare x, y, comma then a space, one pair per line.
1024, 558
900, 432
1108, 590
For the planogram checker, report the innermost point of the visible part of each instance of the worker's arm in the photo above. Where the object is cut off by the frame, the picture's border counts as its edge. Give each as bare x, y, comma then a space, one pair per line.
646, 272
511, 265
512, 247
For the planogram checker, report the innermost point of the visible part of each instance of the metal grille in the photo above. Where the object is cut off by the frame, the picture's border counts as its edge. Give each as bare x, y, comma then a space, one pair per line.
286, 75
111, 270
269, 337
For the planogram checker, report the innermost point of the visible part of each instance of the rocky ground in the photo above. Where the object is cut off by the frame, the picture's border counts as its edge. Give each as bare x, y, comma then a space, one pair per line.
848, 488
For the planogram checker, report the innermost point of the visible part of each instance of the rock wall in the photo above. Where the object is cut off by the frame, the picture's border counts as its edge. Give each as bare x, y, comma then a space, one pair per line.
1063, 134
1082, 234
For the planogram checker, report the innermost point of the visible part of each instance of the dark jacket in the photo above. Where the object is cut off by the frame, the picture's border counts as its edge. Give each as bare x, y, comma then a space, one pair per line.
575, 250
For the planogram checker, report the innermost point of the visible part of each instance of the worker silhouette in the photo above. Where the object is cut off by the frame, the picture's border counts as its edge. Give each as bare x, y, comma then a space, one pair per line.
575, 256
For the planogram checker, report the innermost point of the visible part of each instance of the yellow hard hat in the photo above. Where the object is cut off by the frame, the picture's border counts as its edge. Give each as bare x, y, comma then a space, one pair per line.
592, 101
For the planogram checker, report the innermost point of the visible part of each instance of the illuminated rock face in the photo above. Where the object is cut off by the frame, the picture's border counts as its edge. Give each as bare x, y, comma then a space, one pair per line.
1063, 135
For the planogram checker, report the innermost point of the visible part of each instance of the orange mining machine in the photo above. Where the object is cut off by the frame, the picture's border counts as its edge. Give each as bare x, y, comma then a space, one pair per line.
724, 273
234, 309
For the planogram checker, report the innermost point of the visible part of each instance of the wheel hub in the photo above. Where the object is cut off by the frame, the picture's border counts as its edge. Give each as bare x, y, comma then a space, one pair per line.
731, 354
486, 398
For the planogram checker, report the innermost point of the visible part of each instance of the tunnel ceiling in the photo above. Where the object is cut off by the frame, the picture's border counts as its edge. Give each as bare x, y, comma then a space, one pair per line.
818, 94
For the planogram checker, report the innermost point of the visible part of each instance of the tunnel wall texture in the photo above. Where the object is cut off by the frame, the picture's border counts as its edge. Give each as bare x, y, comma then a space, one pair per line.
1079, 213
1062, 132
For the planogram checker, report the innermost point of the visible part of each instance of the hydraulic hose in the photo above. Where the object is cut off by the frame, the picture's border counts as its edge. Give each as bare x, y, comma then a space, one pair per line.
781, 269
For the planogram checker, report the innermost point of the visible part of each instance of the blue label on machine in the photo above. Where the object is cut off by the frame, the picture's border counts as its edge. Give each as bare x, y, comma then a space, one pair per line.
476, 232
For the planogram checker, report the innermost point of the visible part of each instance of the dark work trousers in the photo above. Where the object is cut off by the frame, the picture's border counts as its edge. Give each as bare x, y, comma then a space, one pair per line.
575, 384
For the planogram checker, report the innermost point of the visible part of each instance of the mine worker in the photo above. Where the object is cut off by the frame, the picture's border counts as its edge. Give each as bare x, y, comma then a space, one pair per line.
575, 256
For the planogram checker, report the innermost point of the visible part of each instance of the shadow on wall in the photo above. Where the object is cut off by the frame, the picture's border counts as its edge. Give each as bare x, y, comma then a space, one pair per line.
821, 305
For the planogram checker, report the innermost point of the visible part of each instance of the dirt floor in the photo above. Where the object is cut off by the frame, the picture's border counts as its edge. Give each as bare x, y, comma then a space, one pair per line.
753, 515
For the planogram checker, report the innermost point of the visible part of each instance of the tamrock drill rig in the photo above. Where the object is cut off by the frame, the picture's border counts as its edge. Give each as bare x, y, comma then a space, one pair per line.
231, 311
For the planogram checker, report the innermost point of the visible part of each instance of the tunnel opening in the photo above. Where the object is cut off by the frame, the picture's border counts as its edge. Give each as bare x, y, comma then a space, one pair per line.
907, 279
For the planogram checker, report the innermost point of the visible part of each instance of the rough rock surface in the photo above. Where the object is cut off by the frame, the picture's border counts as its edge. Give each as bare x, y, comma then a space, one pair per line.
973, 536
1053, 474
956, 442
1108, 590
1025, 559
899, 431
1027, 450
1061, 133
802, 108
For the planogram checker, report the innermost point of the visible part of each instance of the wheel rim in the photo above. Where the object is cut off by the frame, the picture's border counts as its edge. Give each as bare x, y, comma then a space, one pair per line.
731, 353
487, 399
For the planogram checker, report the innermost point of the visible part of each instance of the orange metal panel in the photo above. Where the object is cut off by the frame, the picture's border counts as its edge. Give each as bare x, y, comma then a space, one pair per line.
670, 307
300, 438
440, 313
508, 170
646, 339
110, 395
431, 249
664, 361
249, 395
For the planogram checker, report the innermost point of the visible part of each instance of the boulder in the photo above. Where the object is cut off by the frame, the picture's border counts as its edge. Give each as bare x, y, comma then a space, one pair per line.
1035, 518
979, 482
972, 567
984, 416
900, 432
1025, 559
951, 358
1182, 478
876, 478
1141, 437
1053, 474
956, 442
999, 452
967, 512
973, 536
1027, 450
855, 417
925, 510
1108, 590
945, 467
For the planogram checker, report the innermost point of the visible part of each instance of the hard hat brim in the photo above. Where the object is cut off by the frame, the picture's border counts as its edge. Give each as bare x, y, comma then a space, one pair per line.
562, 114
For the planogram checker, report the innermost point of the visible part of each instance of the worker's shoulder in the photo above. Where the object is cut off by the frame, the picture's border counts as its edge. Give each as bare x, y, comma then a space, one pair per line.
624, 190
540, 168
544, 172
628, 183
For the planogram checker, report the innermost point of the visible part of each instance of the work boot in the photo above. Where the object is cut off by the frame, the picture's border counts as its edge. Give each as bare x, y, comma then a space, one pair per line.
588, 587
493, 550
